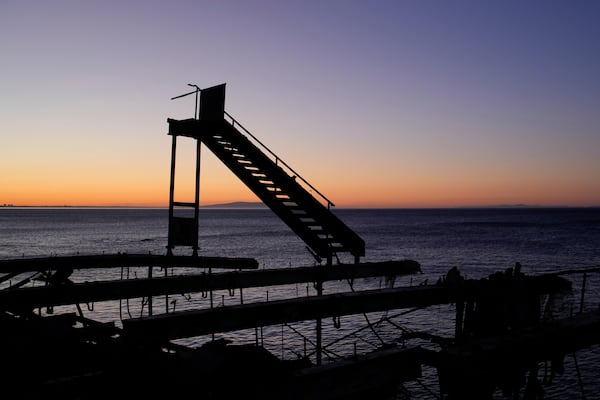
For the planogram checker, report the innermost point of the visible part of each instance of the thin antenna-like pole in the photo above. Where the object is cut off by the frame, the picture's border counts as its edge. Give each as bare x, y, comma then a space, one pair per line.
197, 93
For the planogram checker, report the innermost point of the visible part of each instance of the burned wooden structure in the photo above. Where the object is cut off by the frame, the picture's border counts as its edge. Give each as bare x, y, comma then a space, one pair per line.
95, 356
53, 350
290, 196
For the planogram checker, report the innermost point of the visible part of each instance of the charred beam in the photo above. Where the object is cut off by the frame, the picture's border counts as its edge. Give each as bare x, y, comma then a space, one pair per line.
224, 319
122, 260
43, 296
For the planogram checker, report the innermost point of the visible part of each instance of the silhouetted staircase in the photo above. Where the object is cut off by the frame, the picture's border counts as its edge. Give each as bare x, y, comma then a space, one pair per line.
284, 193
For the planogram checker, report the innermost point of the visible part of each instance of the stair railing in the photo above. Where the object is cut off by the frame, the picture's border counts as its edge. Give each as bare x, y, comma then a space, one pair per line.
278, 160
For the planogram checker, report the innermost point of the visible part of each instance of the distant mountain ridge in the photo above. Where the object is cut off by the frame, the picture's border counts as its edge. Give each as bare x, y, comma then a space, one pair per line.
237, 205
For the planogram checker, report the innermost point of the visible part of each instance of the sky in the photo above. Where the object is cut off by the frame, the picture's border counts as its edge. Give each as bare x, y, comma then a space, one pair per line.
376, 103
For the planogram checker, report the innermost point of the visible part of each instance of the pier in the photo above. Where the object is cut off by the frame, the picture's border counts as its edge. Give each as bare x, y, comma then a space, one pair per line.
55, 343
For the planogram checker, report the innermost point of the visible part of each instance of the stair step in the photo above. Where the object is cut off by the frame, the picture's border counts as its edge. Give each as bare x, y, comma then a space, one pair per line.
311, 223
291, 201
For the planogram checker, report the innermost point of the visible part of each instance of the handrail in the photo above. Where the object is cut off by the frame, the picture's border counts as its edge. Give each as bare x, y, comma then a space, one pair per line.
277, 160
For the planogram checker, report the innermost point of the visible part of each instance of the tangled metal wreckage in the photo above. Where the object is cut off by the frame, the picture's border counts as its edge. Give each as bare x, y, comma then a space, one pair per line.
52, 347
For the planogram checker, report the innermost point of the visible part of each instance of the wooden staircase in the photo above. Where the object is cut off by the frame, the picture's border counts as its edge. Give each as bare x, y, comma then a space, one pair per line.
284, 191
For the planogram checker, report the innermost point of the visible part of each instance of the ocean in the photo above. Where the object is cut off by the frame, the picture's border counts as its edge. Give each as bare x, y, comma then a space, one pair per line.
478, 241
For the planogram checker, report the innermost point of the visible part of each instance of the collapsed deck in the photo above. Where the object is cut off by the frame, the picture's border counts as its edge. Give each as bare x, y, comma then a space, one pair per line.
97, 354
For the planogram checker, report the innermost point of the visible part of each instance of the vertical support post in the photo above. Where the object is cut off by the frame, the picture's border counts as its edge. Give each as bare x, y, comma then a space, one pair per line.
319, 341
581, 301
150, 295
211, 295
319, 328
166, 295
170, 244
197, 198
460, 314
196, 110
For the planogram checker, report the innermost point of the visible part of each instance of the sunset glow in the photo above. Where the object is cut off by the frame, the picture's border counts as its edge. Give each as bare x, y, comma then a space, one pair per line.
393, 104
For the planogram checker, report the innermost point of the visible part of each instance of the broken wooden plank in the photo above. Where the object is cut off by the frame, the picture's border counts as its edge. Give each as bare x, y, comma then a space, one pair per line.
123, 260
43, 296
224, 319
231, 318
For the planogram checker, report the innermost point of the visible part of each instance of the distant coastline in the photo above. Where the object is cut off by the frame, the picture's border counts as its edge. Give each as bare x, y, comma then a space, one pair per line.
238, 205
523, 206
246, 205
231, 205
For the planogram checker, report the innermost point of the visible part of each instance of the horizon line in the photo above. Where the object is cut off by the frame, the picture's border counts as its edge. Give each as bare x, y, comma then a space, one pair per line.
249, 205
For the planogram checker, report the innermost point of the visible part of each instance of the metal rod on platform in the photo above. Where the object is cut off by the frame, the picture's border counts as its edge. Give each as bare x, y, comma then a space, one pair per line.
183, 95
197, 93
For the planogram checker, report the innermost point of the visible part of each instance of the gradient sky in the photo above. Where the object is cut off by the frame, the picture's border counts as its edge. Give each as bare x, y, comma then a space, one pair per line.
377, 103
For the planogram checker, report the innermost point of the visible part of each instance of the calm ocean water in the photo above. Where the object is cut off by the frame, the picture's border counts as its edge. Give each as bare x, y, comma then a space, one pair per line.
477, 241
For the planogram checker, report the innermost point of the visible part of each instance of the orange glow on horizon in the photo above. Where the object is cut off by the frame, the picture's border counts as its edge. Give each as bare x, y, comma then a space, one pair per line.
127, 184
407, 197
